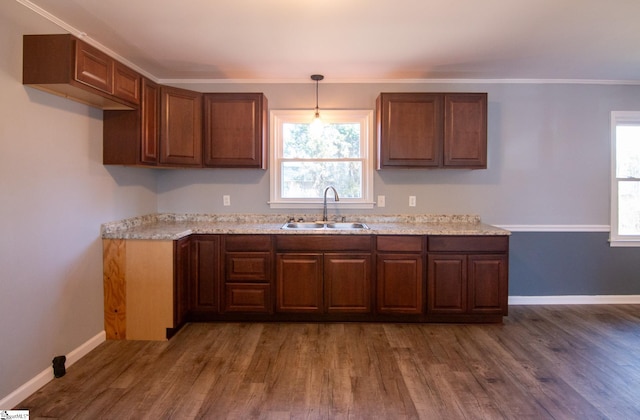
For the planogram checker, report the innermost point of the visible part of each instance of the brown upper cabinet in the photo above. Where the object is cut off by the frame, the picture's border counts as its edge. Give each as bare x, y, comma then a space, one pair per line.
432, 130
180, 127
235, 130
66, 66
132, 137
166, 130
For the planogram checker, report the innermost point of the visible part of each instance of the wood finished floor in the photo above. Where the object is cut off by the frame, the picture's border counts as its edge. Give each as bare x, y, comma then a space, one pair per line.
552, 362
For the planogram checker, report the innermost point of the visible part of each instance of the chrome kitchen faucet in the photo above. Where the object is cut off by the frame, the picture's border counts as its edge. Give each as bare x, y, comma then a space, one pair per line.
324, 205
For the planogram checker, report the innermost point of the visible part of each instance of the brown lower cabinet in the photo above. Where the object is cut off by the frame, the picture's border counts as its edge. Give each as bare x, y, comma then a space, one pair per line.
323, 282
409, 278
400, 281
204, 284
468, 275
248, 273
323, 274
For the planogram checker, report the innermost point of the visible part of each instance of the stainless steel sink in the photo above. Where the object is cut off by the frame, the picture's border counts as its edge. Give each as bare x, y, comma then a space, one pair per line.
303, 225
343, 225
322, 225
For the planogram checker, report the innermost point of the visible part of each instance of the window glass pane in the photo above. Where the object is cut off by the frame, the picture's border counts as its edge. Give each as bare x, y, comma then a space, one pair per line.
329, 141
309, 179
628, 151
629, 207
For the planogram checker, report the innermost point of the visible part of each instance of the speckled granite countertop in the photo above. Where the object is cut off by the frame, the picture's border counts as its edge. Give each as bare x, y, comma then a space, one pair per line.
166, 226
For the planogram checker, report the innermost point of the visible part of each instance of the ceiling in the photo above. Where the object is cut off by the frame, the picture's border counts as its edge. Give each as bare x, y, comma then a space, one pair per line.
361, 40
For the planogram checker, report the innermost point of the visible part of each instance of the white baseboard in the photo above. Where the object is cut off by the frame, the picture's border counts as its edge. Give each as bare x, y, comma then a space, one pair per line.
81, 351
46, 375
575, 300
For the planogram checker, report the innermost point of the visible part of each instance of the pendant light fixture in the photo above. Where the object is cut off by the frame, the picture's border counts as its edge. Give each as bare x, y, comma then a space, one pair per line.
317, 78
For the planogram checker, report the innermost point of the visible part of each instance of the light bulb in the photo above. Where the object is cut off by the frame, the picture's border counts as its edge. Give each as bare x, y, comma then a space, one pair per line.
316, 124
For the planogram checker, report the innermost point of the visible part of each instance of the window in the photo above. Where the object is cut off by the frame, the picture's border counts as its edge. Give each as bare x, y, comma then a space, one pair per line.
306, 158
625, 179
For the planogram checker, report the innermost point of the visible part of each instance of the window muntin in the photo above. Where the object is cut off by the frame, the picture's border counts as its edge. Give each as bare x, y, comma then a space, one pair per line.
306, 158
625, 184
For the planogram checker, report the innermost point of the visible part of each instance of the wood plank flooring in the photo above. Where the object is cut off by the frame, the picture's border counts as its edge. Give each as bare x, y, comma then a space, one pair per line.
544, 362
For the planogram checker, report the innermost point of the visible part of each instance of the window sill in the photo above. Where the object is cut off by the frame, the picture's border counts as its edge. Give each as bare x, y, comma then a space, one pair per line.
624, 243
308, 205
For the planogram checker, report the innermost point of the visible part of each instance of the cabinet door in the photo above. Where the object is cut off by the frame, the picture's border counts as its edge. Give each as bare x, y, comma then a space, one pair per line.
93, 67
465, 130
488, 284
182, 270
126, 83
181, 127
447, 284
299, 282
410, 130
400, 284
347, 283
235, 130
150, 123
205, 273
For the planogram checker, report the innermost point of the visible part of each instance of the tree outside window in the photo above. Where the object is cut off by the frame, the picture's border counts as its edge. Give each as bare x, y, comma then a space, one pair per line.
308, 158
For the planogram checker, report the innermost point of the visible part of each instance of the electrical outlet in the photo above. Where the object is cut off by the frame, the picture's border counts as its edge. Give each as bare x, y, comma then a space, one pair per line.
381, 201
226, 200
412, 201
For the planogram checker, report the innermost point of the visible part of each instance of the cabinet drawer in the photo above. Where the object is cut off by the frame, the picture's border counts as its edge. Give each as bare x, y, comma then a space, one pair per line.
323, 243
248, 266
399, 243
247, 298
247, 243
468, 243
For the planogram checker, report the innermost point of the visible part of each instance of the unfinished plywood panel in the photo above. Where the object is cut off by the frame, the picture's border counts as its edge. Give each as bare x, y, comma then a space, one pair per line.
138, 289
115, 315
149, 290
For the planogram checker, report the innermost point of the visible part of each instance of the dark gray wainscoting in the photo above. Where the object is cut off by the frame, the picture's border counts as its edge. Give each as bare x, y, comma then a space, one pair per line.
571, 263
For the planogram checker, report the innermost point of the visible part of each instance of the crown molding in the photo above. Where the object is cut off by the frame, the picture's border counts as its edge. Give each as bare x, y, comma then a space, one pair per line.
168, 81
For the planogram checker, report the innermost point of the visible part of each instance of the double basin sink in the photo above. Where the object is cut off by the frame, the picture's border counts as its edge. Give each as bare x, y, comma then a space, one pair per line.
324, 226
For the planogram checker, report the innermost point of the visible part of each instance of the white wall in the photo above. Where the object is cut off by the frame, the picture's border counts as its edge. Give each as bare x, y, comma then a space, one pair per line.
54, 194
549, 156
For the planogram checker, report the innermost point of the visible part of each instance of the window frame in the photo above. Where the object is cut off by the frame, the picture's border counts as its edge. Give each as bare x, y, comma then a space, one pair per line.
281, 116
615, 238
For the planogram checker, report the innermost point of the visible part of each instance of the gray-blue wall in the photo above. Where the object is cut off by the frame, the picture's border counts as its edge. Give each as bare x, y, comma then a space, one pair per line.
571, 263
